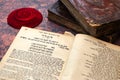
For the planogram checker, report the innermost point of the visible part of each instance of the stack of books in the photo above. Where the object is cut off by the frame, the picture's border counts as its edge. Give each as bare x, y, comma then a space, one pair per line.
97, 18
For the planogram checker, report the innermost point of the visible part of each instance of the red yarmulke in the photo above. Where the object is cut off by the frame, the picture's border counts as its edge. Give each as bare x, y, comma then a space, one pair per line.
28, 17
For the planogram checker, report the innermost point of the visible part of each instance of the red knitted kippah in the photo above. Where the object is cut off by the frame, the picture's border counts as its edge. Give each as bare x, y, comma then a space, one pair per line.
28, 17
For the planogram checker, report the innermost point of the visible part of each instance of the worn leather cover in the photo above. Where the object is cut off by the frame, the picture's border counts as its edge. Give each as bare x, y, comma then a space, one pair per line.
58, 13
98, 17
98, 11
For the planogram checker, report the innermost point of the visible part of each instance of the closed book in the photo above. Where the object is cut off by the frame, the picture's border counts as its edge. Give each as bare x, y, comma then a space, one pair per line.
59, 14
98, 17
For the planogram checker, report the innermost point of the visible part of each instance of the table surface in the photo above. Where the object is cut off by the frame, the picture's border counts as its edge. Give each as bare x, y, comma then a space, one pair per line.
7, 33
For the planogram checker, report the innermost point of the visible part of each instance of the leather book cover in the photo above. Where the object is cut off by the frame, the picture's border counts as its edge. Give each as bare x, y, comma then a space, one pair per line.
98, 17
59, 14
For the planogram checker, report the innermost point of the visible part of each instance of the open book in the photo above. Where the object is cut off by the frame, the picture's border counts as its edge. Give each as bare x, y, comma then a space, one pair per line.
42, 55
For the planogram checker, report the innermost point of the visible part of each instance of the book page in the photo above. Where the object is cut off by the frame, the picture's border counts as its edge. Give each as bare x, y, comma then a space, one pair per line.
36, 55
92, 59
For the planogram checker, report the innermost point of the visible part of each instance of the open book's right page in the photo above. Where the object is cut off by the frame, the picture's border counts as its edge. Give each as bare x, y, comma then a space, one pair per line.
93, 59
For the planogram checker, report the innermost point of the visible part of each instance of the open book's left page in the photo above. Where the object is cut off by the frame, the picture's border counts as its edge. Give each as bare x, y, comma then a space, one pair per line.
36, 55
